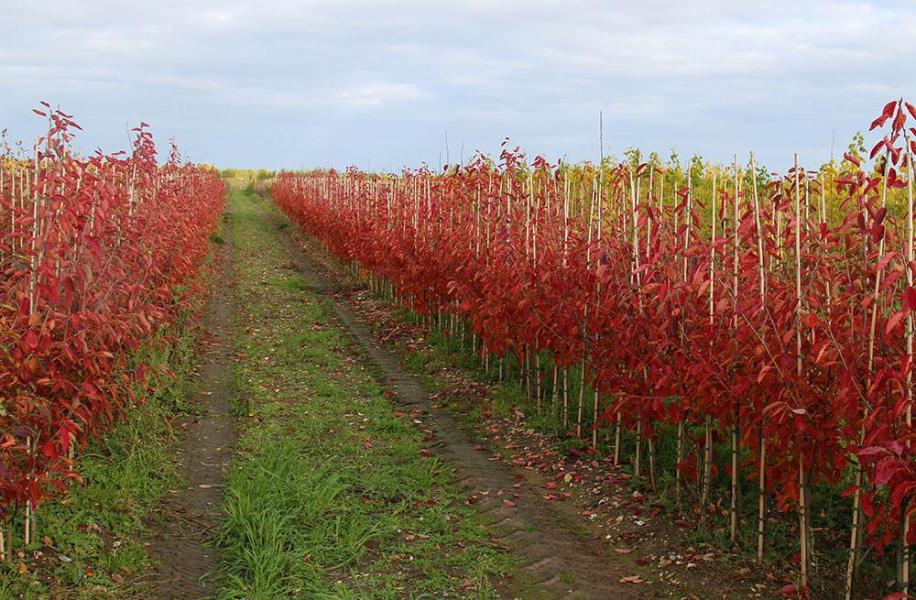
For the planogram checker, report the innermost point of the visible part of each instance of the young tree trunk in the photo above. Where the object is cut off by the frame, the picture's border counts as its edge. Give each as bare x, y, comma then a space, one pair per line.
733, 531
618, 438
650, 441
761, 495
679, 458
566, 398
637, 462
595, 423
707, 466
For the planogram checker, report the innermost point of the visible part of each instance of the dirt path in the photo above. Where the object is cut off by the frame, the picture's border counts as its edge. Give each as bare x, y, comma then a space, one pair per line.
185, 559
556, 562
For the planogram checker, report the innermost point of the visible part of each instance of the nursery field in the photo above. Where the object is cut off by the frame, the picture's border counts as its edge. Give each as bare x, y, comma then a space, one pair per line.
633, 378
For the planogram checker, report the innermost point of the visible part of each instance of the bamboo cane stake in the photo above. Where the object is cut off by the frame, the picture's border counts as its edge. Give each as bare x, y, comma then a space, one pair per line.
713, 217
598, 285
681, 426
33, 294
761, 438
707, 451
634, 191
591, 218
855, 537
555, 392
905, 567
650, 440
736, 449
803, 525
566, 192
707, 455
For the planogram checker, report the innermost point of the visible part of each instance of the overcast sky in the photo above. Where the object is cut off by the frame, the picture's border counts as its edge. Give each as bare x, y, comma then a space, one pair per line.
378, 83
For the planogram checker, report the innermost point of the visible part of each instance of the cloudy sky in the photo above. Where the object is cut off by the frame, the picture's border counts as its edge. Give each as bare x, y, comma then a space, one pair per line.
379, 83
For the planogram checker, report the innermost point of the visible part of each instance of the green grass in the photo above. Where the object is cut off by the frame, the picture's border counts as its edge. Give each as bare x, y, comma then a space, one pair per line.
330, 496
292, 283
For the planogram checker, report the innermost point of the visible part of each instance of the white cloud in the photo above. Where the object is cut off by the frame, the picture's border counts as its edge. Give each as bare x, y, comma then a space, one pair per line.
294, 83
220, 17
377, 94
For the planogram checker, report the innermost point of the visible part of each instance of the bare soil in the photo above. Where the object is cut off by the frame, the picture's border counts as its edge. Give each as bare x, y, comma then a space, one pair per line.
181, 544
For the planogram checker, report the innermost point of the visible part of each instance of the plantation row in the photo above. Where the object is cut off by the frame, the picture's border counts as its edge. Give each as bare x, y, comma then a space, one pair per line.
98, 256
690, 308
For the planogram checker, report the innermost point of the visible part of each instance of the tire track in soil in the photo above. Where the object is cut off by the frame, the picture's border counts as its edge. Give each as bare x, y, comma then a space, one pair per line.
559, 563
185, 559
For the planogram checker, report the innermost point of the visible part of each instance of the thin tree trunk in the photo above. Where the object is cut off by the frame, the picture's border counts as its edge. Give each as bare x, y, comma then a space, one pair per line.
595, 423
650, 442
618, 437
637, 463
761, 496
566, 398
680, 457
707, 466
733, 533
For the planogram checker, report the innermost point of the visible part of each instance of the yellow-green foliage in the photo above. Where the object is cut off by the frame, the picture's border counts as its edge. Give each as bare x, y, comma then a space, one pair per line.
252, 180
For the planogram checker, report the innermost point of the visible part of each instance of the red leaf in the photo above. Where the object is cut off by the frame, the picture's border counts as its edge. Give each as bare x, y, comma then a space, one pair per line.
31, 340
893, 321
909, 298
876, 149
879, 217
873, 451
683, 523
48, 449
899, 121
911, 109
886, 468
63, 436
888, 110
848, 492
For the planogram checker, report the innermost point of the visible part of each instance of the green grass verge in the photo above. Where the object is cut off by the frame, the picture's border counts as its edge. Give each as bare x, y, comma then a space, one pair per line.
330, 495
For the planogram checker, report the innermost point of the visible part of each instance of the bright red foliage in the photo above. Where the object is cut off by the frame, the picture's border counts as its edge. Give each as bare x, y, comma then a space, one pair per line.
672, 323
96, 255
